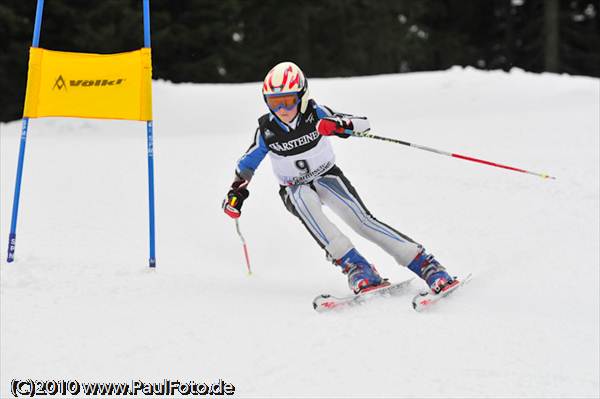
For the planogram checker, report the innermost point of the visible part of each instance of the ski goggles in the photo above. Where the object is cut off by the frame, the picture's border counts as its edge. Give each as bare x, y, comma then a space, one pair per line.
282, 101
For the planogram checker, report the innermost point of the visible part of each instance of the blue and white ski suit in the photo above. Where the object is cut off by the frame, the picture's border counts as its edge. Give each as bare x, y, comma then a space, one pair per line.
304, 163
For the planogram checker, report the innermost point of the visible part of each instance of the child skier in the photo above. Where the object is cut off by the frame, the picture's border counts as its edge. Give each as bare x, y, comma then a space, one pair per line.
295, 133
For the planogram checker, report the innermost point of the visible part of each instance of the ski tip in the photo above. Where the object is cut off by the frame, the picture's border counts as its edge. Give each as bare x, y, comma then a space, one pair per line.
425, 299
318, 305
416, 301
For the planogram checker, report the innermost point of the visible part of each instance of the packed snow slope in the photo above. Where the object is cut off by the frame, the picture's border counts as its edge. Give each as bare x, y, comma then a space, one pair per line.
80, 303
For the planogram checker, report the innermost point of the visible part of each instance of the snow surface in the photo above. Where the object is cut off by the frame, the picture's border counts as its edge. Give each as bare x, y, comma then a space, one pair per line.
81, 303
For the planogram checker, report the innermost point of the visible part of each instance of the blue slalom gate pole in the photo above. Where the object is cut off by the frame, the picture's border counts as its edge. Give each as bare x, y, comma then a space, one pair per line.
151, 192
152, 262
12, 237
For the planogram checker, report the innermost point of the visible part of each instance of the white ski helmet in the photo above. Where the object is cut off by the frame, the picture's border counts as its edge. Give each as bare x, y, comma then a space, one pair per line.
286, 78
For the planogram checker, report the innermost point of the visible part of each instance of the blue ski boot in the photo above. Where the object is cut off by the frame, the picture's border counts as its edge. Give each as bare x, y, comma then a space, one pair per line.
361, 275
429, 269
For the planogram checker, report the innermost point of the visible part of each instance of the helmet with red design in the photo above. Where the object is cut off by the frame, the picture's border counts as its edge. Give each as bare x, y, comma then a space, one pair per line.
285, 87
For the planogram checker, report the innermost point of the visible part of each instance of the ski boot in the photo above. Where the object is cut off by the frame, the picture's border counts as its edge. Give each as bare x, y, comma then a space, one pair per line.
362, 276
441, 282
429, 269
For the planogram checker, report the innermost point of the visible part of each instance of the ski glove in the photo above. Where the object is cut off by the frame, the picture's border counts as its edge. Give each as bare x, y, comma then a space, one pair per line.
335, 125
232, 204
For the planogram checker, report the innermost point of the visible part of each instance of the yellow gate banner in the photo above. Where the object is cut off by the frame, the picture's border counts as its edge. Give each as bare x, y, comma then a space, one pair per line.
107, 86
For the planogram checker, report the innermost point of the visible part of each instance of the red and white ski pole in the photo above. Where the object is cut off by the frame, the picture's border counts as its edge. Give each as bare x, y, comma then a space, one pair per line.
466, 158
237, 227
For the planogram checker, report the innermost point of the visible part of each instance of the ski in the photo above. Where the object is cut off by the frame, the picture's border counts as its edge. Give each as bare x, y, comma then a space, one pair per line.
426, 299
327, 302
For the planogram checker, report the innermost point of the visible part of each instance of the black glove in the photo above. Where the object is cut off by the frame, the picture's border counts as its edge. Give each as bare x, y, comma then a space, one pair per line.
232, 204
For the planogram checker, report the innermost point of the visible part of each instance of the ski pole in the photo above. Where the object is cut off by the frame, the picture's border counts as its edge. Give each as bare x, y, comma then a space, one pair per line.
466, 158
237, 227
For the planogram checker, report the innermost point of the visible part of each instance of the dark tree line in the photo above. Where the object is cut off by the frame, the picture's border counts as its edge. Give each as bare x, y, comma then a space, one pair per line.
238, 40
